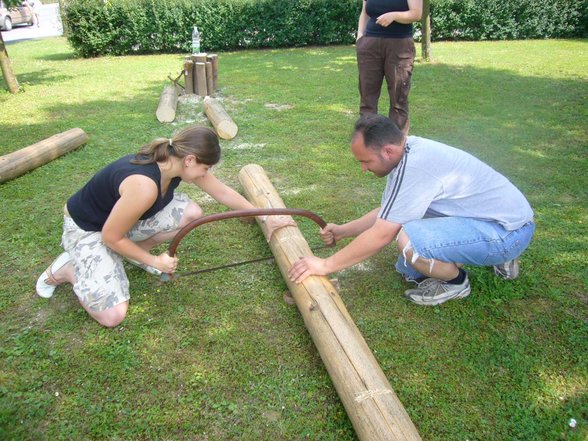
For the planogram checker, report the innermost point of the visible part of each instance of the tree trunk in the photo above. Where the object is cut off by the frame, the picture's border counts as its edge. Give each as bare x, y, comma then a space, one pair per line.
9, 77
426, 27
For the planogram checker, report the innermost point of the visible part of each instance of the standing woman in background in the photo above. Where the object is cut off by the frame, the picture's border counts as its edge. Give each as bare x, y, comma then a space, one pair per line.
385, 47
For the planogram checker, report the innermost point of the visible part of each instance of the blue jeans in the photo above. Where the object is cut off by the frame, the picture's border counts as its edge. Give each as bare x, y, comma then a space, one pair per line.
463, 240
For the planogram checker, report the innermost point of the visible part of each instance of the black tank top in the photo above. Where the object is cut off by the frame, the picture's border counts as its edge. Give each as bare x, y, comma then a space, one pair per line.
375, 8
92, 204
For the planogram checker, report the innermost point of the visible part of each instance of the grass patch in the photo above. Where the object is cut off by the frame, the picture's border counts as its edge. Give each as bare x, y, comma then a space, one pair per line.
221, 356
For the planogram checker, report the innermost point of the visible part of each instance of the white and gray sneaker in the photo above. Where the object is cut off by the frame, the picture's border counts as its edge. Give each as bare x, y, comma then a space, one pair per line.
507, 270
434, 292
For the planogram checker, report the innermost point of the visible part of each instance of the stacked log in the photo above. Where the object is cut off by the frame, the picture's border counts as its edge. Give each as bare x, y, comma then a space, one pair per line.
201, 74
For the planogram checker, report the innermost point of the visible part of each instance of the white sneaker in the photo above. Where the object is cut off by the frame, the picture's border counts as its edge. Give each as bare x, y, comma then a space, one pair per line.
45, 289
434, 292
508, 270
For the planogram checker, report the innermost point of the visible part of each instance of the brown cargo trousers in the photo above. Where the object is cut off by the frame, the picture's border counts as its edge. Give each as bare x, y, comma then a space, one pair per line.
392, 58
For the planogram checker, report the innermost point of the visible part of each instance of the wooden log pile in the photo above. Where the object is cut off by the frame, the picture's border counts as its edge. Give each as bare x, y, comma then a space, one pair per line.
201, 74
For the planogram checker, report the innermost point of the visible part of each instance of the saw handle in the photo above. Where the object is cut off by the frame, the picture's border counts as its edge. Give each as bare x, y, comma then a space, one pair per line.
242, 213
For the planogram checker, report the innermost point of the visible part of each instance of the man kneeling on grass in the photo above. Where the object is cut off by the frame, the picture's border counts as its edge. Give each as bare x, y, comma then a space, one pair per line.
444, 207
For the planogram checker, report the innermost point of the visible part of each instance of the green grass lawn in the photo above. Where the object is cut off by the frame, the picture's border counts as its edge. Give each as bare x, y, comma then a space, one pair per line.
221, 356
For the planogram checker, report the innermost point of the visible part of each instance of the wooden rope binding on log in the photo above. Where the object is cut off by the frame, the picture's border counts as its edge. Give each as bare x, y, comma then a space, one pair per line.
242, 213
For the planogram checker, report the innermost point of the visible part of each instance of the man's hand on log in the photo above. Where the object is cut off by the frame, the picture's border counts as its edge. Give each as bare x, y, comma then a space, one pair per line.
307, 266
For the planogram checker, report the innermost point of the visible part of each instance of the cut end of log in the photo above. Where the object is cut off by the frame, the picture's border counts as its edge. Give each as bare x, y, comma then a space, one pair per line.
166, 110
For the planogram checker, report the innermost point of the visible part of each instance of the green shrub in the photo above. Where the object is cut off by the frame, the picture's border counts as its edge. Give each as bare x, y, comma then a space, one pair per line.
507, 19
122, 27
119, 27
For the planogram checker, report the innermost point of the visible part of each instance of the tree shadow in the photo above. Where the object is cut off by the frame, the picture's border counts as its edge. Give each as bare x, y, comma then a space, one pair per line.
532, 129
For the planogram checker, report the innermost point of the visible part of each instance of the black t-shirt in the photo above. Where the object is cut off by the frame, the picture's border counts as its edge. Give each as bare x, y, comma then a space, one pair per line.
375, 8
92, 204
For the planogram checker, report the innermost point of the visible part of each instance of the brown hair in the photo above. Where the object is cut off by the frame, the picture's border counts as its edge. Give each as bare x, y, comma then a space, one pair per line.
378, 131
199, 141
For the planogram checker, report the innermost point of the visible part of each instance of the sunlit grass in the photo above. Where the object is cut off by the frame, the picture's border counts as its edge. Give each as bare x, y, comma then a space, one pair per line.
221, 356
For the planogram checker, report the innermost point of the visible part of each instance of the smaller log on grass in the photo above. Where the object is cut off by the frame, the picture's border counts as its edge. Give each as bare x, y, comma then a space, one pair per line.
189, 76
17, 163
220, 119
168, 101
200, 75
213, 58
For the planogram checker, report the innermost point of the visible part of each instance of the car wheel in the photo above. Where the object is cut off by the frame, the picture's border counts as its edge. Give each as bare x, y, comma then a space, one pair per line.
7, 24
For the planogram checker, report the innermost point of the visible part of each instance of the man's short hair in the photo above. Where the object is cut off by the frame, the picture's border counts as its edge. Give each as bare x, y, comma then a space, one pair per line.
378, 131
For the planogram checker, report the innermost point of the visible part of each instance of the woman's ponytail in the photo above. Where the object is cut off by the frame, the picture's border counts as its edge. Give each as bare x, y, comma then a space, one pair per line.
199, 141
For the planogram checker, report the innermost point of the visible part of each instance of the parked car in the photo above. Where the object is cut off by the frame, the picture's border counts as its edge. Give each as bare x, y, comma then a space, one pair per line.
22, 14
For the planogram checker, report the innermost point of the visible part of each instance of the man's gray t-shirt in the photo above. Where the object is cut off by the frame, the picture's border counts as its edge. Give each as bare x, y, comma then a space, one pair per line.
434, 180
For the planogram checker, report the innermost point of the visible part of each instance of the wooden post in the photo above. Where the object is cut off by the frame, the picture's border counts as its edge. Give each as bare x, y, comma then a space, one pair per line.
220, 119
166, 110
17, 163
201, 57
189, 76
213, 58
194, 77
209, 84
372, 406
426, 31
201, 79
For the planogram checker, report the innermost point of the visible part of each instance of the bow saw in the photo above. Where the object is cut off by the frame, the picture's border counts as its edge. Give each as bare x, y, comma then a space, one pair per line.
254, 212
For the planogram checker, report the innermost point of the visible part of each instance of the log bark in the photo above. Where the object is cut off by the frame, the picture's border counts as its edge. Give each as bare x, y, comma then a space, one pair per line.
168, 101
200, 75
372, 406
220, 119
17, 163
213, 58
189, 76
209, 84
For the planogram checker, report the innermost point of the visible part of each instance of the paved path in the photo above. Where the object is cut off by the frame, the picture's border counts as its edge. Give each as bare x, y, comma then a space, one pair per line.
50, 26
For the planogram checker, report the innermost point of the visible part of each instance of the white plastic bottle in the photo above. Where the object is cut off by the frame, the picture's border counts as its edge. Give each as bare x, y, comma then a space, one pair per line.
195, 41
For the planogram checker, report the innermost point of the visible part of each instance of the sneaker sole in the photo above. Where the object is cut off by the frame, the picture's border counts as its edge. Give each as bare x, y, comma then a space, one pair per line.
464, 293
514, 272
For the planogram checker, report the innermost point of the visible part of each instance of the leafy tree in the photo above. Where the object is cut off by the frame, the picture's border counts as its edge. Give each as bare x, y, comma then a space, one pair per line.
5, 64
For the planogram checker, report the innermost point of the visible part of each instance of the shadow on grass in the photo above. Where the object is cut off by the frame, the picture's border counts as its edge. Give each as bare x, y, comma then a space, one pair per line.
497, 347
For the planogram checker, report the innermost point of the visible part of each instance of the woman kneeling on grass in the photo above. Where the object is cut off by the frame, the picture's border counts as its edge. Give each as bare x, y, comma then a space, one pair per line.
126, 209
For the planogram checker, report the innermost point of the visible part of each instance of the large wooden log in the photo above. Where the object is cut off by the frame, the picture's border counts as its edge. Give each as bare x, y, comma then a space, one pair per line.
372, 406
221, 121
17, 163
168, 101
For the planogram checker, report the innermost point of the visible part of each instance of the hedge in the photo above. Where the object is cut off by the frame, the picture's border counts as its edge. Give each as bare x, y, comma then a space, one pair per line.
120, 27
507, 19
